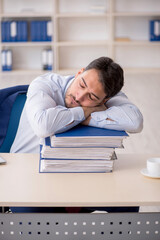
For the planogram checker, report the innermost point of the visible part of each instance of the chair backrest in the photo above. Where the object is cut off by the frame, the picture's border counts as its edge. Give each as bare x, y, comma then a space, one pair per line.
13, 122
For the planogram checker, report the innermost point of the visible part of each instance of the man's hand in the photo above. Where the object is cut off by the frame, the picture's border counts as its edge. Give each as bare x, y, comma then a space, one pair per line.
89, 110
86, 121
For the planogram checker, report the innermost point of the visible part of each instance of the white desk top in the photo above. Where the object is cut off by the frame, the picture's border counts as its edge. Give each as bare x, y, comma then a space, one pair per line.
21, 184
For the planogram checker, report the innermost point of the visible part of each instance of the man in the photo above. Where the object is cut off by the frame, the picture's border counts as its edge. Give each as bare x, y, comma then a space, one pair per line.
56, 104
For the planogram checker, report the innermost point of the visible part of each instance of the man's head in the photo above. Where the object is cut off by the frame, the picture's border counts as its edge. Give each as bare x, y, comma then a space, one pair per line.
94, 85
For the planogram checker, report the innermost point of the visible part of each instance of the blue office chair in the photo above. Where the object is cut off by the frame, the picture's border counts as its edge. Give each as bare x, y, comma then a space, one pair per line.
13, 122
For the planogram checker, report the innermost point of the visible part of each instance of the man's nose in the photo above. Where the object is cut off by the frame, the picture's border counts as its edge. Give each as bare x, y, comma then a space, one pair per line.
80, 96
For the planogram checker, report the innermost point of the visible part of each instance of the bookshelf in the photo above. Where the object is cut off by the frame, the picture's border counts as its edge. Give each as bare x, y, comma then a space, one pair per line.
84, 30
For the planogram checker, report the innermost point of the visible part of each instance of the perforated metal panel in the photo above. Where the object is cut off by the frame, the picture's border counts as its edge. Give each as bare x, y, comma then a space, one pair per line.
134, 226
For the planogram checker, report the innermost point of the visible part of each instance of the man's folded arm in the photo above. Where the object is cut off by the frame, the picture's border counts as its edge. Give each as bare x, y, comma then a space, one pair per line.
46, 118
120, 114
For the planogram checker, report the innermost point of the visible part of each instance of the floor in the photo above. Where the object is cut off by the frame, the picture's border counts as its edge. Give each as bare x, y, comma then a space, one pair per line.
144, 91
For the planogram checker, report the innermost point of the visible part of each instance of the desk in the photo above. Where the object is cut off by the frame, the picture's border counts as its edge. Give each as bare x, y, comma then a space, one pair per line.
21, 184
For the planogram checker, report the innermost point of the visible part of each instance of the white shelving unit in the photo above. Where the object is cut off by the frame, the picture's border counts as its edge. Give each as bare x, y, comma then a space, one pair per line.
120, 30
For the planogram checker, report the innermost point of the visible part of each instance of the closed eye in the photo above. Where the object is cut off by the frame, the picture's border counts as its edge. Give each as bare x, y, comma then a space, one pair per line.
90, 97
82, 86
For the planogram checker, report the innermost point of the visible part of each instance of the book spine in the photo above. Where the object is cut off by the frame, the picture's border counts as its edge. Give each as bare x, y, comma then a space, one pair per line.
49, 30
23, 31
3, 32
8, 30
3, 60
32, 31
13, 31
45, 59
9, 60
50, 59
155, 30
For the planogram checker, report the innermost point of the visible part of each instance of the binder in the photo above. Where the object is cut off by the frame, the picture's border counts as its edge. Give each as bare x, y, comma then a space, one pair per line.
8, 30
13, 31
6, 59
155, 30
9, 60
49, 30
3, 32
3, 60
50, 59
33, 31
45, 59
86, 136
24, 32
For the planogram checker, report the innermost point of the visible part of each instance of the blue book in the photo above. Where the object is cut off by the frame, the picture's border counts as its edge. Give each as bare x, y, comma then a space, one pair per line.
71, 165
9, 60
24, 31
50, 59
86, 136
3, 60
8, 31
38, 31
13, 31
48, 30
33, 31
155, 30
19, 34
3, 34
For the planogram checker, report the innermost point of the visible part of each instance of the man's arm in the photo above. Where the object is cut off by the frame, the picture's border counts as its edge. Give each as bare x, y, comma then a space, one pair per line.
46, 112
120, 114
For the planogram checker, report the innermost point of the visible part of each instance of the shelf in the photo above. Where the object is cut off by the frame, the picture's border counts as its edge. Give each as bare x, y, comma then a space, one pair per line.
26, 15
26, 44
24, 72
79, 15
136, 43
121, 32
135, 14
74, 71
83, 43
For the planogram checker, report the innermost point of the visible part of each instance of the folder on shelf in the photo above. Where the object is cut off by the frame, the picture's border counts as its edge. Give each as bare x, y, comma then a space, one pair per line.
155, 30
9, 60
24, 31
3, 60
47, 59
32, 31
6, 59
49, 31
13, 31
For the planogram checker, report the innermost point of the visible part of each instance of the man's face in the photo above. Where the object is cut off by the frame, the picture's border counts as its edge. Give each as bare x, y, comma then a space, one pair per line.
85, 90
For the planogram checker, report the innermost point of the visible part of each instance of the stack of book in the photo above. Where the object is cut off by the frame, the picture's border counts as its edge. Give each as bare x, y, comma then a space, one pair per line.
81, 149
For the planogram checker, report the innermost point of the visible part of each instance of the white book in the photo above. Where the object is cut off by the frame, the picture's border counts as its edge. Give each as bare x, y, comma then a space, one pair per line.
13, 29
49, 29
9, 58
50, 57
77, 153
3, 58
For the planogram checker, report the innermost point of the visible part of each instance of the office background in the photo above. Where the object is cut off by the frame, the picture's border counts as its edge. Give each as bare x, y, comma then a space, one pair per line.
76, 32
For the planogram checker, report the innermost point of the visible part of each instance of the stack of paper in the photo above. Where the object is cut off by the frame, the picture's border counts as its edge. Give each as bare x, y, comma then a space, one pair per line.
81, 149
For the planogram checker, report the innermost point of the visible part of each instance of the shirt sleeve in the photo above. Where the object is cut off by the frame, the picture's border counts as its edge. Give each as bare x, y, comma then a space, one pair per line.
120, 114
45, 116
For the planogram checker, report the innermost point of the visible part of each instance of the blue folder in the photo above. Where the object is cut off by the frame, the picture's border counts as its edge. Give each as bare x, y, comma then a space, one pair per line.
84, 131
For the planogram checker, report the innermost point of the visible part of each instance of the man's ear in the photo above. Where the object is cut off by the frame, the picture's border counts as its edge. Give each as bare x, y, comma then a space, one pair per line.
79, 72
